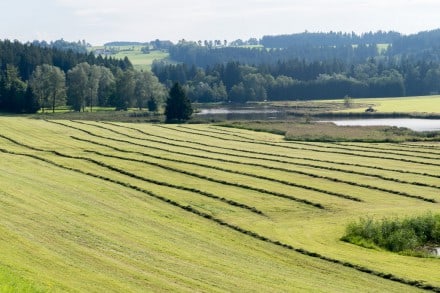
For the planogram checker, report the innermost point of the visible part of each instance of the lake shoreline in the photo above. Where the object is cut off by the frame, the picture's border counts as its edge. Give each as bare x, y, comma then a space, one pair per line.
415, 124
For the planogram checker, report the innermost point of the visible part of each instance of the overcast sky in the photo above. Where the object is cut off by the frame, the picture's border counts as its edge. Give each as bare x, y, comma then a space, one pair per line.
101, 21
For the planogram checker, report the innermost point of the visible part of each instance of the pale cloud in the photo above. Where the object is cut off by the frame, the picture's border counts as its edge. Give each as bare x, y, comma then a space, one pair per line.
100, 21
96, 12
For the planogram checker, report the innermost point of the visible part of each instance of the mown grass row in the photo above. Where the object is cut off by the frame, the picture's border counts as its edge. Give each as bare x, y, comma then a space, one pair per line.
376, 147
323, 168
267, 154
244, 186
223, 182
261, 190
19, 143
230, 133
156, 182
276, 155
307, 187
216, 131
254, 235
369, 150
238, 173
327, 146
422, 146
194, 131
254, 175
320, 150
332, 179
281, 132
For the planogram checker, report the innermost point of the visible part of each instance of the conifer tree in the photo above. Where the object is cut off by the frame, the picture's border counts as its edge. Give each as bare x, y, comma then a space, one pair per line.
178, 107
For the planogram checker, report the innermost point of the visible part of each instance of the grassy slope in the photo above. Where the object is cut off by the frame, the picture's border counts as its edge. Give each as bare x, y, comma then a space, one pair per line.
64, 230
139, 60
10, 282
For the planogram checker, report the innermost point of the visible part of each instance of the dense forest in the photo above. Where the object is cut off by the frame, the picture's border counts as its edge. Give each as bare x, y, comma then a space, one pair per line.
77, 47
43, 76
307, 66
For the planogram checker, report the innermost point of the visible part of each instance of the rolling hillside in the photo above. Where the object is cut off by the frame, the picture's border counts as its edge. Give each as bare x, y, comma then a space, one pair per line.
114, 207
140, 60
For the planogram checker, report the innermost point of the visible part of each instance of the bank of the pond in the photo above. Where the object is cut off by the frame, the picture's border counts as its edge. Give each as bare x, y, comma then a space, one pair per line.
413, 124
411, 121
242, 113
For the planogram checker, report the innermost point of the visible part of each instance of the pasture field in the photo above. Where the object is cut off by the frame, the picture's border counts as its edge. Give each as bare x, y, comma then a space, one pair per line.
139, 60
423, 104
411, 105
121, 207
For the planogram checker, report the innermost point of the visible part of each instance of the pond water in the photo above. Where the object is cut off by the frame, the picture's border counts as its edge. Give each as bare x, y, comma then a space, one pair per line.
413, 124
270, 113
243, 113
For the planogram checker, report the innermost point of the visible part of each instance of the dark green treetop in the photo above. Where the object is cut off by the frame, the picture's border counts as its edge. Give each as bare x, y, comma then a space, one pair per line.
178, 107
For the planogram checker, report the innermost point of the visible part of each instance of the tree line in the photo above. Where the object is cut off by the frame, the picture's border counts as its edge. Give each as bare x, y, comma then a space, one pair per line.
351, 48
308, 66
330, 39
34, 77
300, 80
191, 53
44, 76
78, 47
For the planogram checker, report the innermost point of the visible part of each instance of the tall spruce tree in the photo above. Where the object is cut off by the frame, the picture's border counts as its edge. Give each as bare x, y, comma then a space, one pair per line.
178, 108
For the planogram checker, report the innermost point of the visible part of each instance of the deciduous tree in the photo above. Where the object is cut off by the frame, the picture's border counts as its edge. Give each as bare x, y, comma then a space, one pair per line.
77, 79
48, 83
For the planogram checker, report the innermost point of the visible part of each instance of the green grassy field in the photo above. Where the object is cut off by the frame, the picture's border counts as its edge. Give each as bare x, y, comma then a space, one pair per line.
139, 60
118, 207
424, 104
142, 61
411, 105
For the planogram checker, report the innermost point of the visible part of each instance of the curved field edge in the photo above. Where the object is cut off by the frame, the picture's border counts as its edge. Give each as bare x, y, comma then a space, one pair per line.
244, 228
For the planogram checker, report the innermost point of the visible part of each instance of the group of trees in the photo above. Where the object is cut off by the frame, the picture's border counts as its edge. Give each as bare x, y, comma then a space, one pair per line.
62, 45
34, 77
350, 48
308, 66
299, 80
329, 39
15, 94
308, 47
154, 45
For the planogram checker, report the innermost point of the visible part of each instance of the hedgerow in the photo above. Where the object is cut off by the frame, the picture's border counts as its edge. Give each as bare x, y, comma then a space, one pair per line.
408, 235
